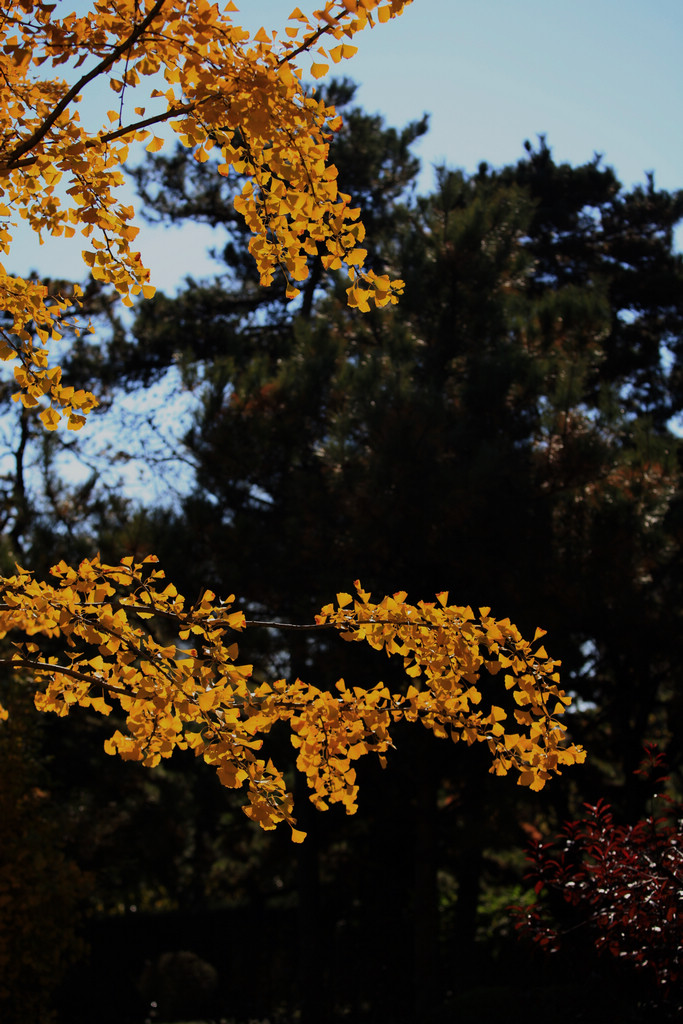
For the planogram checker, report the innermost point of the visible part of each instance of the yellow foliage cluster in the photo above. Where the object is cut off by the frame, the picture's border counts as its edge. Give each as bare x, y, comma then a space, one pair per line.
188, 64
446, 648
131, 643
173, 672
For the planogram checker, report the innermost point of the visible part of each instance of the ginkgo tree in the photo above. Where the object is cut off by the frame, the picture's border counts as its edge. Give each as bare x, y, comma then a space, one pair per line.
128, 641
188, 65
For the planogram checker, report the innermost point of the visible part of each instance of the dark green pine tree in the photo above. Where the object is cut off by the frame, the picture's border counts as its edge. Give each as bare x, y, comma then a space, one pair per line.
118, 823
503, 433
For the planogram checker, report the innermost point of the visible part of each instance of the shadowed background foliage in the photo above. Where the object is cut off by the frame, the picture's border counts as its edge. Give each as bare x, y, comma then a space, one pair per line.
505, 433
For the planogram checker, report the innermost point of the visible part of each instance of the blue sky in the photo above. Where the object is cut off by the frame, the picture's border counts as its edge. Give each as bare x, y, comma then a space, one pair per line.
593, 75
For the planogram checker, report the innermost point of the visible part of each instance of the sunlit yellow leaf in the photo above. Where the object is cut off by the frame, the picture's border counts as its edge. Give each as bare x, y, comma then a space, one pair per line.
50, 419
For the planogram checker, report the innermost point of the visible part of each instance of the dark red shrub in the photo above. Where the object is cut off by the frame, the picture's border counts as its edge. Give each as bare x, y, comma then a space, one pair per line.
620, 884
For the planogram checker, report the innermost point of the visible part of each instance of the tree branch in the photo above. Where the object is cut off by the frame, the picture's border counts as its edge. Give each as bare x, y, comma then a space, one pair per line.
39, 134
305, 45
63, 670
150, 609
128, 129
289, 625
